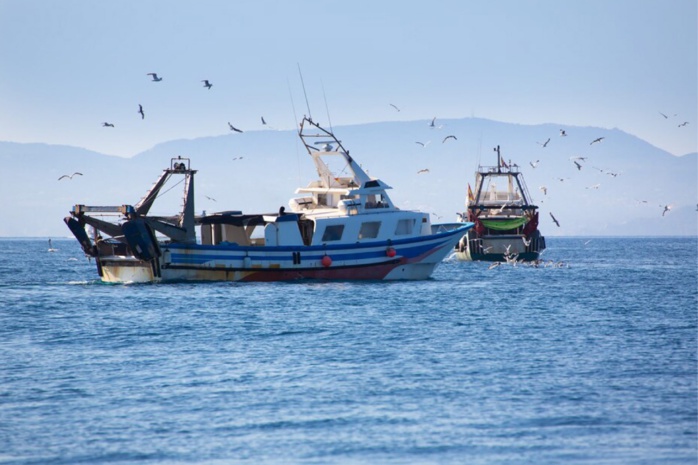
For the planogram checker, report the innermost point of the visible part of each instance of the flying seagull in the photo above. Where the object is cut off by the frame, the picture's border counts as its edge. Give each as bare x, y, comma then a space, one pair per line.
425, 170
666, 209
107, 125
683, 124
423, 144
155, 77
578, 158
598, 139
545, 144
595, 186
263, 122
554, 219
140, 110
579, 166
534, 164
233, 128
210, 198
207, 84
544, 189
70, 176
449, 137
563, 133
394, 107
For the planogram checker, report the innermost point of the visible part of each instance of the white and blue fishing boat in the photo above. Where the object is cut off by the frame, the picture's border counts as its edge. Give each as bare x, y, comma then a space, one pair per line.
343, 226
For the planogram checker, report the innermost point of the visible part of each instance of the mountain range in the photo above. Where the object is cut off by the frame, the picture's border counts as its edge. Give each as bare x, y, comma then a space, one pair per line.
619, 186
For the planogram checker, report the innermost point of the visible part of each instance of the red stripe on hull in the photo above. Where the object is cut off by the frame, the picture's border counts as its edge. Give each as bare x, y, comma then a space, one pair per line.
374, 272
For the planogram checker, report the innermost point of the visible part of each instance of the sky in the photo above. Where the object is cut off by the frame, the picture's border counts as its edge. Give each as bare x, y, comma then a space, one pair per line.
68, 66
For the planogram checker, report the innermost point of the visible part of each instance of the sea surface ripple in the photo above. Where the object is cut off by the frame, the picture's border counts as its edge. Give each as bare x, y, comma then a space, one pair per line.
590, 361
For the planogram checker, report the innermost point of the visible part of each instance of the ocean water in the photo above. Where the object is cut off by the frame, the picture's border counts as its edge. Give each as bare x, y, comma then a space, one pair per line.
589, 362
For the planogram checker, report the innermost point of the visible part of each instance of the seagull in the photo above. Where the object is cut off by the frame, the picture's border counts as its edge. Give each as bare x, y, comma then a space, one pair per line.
233, 128
578, 158
107, 125
666, 209
544, 189
155, 77
263, 122
425, 170
665, 116
554, 220
433, 122
544, 144
683, 124
501, 209
561, 179
210, 198
70, 176
140, 110
394, 107
586, 242
595, 186
598, 139
449, 137
526, 242
534, 164
423, 144
579, 167
494, 265
563, 133
487, 249
207, 84
613, 174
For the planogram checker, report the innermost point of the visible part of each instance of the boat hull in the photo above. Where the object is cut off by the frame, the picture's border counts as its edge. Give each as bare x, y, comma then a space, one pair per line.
499, 248
406, 259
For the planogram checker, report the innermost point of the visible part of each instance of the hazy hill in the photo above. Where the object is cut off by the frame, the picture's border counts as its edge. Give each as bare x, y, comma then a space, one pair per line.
259, 171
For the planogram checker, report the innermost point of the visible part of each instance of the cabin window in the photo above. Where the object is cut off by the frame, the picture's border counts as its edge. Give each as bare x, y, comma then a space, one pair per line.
404, 227
369, 230
333, 233
376, 201
322, 199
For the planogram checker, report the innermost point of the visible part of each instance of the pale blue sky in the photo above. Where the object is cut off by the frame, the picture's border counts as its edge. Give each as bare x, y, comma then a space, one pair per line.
69, 65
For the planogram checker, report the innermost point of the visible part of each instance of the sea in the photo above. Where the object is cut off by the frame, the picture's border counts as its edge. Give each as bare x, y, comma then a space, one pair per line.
589, 358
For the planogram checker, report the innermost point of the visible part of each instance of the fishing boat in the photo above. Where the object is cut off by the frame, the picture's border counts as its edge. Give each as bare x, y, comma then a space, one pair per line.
342, 226
505, 218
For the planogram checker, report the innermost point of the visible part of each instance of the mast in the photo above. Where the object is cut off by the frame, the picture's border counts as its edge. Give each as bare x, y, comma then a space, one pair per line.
499, 160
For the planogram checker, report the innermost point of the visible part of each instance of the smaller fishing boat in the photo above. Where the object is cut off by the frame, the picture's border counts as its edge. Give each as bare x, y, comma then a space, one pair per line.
342, 226
505, 218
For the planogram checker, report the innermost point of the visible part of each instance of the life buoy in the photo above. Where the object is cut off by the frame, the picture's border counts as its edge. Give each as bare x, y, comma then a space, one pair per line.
326, 261
390, 252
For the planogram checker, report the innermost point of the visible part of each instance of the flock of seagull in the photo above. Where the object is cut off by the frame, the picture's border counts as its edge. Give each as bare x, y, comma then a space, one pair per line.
155, 78
578, 161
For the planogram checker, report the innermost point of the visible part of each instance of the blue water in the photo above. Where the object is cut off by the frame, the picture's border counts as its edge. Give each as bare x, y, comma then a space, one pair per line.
593, 362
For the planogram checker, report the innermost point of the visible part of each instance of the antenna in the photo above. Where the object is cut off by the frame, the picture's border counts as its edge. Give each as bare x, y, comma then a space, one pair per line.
293, 105
304, 93
327, 108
